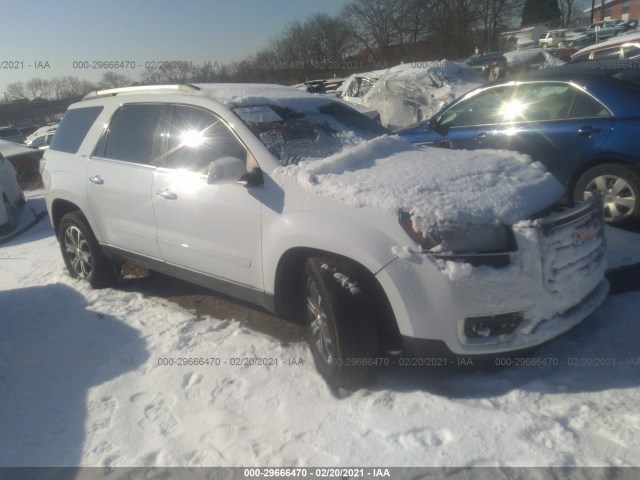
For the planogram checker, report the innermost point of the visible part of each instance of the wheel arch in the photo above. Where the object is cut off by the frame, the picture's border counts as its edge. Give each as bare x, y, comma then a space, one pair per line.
288, 288
59, 208
595, 163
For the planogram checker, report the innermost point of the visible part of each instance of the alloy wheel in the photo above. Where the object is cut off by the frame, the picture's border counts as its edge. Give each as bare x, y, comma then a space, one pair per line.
78, 252
320, 334
619, 197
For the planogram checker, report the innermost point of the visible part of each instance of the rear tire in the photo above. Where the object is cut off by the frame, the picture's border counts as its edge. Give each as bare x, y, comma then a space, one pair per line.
22, 200
81, 253
341, 328
12, 220
620, 187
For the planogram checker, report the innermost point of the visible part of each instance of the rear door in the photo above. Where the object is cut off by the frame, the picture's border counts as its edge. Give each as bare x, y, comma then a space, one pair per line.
120, 177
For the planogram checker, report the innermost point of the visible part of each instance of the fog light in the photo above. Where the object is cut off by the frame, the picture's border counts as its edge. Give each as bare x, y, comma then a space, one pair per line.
492, 325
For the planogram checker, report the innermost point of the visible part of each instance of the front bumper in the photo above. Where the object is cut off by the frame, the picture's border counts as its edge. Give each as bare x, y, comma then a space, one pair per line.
554, 281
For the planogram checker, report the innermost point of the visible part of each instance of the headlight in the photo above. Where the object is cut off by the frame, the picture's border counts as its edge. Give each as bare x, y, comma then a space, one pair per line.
483, 244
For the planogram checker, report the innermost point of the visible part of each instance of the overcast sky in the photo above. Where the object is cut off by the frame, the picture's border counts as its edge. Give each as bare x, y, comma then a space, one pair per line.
60, 32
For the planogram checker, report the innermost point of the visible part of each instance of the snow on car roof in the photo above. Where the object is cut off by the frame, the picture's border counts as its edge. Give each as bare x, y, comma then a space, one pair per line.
253, 93
12, 149
237, 94
519, 57
618, 39
438, 186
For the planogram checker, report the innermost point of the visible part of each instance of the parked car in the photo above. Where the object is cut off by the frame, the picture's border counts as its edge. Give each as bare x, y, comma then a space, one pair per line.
11, 195
41, 141
605, 29
29, 129
578, 122
11, 134
623, 47
491, 66
552, 38
300, 204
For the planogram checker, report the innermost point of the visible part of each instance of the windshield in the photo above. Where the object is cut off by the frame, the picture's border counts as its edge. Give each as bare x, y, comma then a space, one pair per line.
308, 130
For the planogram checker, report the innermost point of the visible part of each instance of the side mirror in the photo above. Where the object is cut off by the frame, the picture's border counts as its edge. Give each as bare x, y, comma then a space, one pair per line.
438, 127
226, 170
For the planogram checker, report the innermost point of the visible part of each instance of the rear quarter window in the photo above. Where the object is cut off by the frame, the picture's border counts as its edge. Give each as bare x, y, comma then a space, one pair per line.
73, 128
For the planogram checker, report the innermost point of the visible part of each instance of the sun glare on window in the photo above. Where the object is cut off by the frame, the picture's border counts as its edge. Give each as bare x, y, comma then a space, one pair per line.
192, 138
512, 110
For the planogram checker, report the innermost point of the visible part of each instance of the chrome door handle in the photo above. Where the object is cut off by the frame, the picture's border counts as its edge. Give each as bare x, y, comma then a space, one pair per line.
481, 137
166, 193
588, 131
97, 179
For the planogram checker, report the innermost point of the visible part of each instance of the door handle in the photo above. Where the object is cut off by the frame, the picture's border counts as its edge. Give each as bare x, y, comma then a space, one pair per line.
588, 131
97, 179
166, 193
481, 137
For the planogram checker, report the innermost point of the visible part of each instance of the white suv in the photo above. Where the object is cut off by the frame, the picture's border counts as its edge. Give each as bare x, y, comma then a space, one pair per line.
304, 206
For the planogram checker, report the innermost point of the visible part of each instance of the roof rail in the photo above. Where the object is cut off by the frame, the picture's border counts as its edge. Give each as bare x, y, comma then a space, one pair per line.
186, 88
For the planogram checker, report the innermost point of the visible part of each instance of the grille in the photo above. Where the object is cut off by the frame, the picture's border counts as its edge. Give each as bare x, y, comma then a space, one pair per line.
573, 245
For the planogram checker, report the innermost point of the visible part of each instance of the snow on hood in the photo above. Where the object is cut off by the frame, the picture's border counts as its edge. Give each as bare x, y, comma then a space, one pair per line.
439, 186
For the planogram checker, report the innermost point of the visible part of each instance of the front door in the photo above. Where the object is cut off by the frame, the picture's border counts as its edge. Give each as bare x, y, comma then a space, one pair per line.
210, 230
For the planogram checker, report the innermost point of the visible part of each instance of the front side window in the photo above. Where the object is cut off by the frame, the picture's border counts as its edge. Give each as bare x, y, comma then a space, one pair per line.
481, 109
134, 134
197, 138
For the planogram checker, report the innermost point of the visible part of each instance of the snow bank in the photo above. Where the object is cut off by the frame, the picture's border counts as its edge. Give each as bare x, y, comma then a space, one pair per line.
438, 185
518, 58
85, 381
413, 92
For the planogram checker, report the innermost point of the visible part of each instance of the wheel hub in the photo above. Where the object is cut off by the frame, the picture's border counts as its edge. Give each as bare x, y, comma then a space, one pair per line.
318, 323
619, 198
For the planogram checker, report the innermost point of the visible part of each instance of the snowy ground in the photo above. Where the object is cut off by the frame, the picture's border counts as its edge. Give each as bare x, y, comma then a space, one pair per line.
82, 382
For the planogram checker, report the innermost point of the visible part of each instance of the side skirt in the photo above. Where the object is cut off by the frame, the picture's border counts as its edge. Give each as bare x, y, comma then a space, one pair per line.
234, 290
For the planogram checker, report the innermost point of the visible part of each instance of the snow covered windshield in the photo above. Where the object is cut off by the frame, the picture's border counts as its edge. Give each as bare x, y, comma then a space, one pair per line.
308, 129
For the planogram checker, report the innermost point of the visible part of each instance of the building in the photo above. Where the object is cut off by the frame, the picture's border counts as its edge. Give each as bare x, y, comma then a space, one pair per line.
615, 10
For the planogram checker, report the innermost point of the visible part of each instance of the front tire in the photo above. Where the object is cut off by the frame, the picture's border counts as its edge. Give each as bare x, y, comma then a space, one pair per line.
341, 328
81, 253
620, 187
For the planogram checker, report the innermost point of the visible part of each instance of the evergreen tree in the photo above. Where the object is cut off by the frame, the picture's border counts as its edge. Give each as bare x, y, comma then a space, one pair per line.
540, 11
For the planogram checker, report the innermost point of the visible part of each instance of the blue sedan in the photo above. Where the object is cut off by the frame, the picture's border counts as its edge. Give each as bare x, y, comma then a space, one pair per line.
582, 123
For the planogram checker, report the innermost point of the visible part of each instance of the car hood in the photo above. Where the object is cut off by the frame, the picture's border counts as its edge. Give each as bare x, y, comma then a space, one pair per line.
438, 186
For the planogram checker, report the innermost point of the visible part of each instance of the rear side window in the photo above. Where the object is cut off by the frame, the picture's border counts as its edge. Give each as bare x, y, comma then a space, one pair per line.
133, 133
9, 132
631, 51
607, 54
73, 128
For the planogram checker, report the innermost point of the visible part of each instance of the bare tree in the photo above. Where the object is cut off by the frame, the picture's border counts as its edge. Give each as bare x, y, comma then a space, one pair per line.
16, 91
114, 80
416, 22
374, 22
71, 87
39, 88
169, 73
566, 8
494, 15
